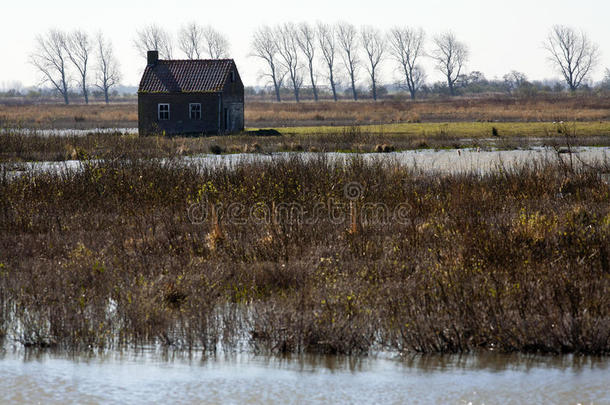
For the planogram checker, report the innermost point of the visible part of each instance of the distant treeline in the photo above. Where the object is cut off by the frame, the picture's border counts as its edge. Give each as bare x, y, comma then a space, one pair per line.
328, 61
303, 55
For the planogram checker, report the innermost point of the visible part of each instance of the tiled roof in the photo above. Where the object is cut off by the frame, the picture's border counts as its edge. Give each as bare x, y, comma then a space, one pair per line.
183, 76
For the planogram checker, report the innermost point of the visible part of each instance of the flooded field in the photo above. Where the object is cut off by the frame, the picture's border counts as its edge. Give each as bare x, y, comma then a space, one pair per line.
442, 161
238, 379
85, 250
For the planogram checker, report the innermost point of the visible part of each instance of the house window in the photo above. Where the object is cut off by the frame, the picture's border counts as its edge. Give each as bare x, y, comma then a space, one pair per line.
195, 111
163, 111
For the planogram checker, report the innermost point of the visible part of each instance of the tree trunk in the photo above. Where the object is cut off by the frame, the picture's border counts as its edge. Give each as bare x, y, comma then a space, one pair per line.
451, 87
65, 87
106, 95
331, 77
313, 83
374, 87
86, 94
296, 92
277, 89
65, 94
354, 87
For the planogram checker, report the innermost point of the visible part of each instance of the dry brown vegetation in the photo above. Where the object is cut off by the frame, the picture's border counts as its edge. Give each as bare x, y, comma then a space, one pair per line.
124, 115
446, 110
268, 114
514, 260
15, 147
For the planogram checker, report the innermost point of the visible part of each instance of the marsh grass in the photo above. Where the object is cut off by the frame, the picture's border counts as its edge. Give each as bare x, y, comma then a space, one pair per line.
107, 257
18, 147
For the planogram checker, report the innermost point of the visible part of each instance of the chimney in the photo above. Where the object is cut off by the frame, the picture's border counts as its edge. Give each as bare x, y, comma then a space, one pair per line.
153, 57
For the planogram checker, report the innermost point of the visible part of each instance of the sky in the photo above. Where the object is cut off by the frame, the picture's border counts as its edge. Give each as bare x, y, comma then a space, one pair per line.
501, 35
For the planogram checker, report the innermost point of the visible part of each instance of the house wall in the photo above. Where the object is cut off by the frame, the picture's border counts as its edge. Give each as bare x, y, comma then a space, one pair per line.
233, 102
179, 122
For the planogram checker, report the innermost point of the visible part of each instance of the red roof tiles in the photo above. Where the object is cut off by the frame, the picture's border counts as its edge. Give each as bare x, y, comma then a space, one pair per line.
186, 76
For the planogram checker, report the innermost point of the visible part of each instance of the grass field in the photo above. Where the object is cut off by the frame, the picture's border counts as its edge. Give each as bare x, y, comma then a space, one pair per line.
484, 109
459, 130
266, 114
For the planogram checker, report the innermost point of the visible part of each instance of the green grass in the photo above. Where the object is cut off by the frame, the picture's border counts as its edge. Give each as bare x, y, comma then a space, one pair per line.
462, 129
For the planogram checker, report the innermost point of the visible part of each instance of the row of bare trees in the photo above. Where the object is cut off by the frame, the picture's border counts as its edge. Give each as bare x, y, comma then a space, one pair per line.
296, 54
195, 41
59, 55
66, 57
291, 53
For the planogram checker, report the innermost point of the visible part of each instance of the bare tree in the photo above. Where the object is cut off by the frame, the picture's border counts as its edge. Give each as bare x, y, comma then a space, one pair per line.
348, 41
154, 38
50, 59
190, 38
574, 55
451, 56
306, 39
216, 44
289, 51
108, 74
196, 41
513, 81
406, 47
326, 38
374, 47
265, 46
78, 48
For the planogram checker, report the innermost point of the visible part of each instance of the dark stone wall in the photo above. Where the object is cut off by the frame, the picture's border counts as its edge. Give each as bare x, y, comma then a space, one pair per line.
179, 122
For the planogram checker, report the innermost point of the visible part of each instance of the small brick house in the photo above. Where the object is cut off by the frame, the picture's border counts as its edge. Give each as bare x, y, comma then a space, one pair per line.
190, 97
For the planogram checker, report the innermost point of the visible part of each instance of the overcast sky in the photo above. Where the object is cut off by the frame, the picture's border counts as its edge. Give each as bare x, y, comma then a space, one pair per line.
501, 35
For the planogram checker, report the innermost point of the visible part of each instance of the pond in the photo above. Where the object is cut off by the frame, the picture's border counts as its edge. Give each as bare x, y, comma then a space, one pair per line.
150, 377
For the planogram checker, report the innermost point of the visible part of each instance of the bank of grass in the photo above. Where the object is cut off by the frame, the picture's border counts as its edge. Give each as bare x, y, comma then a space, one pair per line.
487, 108
461, 130
45, 116
466, 109
15, 147
109, 257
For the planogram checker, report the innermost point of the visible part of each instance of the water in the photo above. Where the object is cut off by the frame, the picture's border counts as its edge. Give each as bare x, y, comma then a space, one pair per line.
442, 161
68, 132
239, 379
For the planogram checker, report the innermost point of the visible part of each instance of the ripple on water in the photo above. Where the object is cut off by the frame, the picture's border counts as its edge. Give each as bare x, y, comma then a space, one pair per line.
245, 378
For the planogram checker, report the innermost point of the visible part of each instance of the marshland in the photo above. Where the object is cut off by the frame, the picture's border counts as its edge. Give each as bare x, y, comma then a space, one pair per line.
380, 222
280, 256
140, 246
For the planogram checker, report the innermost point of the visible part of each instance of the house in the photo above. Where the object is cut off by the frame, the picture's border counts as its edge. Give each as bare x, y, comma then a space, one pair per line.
190, 97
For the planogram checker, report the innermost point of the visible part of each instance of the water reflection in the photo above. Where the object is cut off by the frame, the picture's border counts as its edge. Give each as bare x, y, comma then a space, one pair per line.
150, 375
